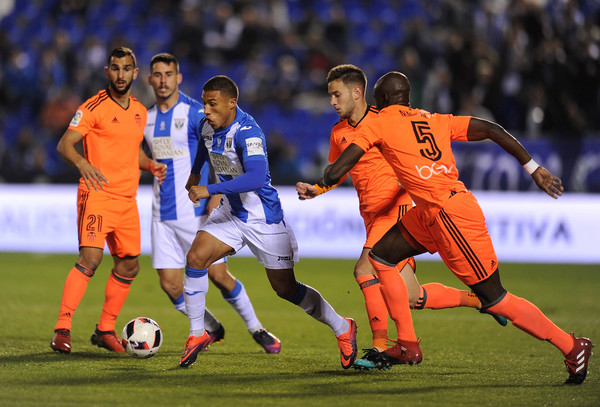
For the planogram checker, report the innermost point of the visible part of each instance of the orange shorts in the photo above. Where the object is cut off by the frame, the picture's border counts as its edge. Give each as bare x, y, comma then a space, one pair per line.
459, 234
378, 224
101, 218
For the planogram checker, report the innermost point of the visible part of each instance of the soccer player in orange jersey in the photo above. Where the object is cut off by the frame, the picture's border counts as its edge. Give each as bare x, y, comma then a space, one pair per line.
447, 218
382, 201
111, 126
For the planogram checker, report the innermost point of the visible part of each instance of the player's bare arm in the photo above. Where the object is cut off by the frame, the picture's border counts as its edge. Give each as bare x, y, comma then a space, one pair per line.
159, 170
336, 170
480, 129
193, 179
89, 173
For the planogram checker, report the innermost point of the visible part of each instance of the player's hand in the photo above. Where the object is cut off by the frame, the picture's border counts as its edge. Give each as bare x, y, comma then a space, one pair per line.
306, 191
159, 170
193, 180
91, 175
547, 182
198, 192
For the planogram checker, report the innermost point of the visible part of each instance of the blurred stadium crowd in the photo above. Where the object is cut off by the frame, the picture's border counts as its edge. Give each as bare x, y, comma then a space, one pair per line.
531, 65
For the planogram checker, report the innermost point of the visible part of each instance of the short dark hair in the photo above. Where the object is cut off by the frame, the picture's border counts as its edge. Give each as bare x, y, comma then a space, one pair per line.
223, 84
122, 52
349, 74
166, 58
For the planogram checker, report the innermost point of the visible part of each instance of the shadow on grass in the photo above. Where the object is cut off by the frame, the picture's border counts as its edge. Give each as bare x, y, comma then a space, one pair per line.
215, 373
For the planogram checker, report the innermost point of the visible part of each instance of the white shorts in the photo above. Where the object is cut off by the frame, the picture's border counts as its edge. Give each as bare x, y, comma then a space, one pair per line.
274, 245
172, 239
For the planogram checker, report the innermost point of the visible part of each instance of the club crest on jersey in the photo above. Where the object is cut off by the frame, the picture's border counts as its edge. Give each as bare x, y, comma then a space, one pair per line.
179, 123
162, 126
138, 119
229, 143
77, 118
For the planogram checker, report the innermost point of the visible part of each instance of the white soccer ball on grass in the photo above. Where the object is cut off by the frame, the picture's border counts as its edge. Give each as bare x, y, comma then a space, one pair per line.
141, 337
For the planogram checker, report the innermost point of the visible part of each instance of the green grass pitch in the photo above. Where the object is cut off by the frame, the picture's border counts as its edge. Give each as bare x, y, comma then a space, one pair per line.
468, 359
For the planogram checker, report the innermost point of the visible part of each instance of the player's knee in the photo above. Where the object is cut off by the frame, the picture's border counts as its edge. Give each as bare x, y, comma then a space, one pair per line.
490, 291
128, 270
284, 291
195, 260
361, 269
90, 261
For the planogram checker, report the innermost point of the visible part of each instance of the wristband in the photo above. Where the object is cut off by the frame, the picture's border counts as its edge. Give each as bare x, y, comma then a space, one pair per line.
323, 189
531, 166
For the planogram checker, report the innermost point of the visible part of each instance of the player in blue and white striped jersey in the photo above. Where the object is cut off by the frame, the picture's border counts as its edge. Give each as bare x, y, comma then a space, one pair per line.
172, 134
250, 214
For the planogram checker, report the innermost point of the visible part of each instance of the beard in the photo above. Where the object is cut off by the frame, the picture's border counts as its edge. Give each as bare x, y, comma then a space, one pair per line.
123, 91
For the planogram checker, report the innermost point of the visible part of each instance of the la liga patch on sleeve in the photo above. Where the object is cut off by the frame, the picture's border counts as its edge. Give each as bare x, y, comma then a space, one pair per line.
76, 119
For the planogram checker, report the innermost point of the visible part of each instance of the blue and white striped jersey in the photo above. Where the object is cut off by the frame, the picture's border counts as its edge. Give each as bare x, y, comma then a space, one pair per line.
231, 151
173, 137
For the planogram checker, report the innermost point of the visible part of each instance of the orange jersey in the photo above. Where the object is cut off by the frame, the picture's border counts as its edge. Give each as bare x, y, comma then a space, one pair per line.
374, 179
416, 143
111, 141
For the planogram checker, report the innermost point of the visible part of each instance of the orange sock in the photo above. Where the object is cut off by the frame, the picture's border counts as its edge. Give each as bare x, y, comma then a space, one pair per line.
395, 295
439, 296
376, 309
73, 291
115, 294
527, 317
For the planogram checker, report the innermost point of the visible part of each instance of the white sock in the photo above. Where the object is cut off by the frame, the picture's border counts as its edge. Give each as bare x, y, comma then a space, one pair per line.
195, 287
239, 300
313, 303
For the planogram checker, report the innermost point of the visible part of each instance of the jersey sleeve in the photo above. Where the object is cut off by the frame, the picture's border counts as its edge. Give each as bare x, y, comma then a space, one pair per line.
250, 144
83, 121
459, 125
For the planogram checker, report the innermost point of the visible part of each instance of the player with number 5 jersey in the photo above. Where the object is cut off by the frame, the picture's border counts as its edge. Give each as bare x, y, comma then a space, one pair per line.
447, 218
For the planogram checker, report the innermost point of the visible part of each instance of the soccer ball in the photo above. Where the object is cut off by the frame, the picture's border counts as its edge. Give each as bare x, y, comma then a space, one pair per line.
141, 337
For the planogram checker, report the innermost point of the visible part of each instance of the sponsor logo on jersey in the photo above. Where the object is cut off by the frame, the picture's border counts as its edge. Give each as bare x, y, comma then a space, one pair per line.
246, 128
427, 172
114, 120
229, 143
162, 126
284, 258
76, 119
223, 165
